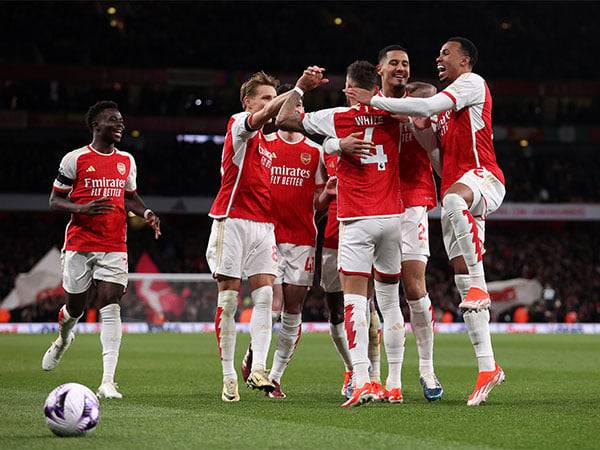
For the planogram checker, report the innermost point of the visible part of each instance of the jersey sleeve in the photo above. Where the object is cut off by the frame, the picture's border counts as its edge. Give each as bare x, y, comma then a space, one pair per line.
467, 90
320, 122
67, 172
331, 146
241, 128
131, 182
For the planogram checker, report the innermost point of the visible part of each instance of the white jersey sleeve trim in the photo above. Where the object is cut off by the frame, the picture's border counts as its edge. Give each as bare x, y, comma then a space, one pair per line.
322, 121
331, 146
467, 90
131, 182
67, 170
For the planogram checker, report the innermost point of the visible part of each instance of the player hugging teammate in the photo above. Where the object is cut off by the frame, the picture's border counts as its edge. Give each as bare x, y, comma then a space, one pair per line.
375, 174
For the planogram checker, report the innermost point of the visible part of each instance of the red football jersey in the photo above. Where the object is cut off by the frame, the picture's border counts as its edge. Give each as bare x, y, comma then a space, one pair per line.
417, 184
367, 187
416, 176
332, 228
245, 174
89, 175
465, 132
296, 172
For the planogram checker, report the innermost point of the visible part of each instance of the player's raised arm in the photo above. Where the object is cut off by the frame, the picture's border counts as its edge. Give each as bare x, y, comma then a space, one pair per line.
288, 118
422, 107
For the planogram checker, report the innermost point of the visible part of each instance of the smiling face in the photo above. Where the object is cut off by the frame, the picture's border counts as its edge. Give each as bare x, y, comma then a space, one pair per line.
109, 125
394, 70
452, 62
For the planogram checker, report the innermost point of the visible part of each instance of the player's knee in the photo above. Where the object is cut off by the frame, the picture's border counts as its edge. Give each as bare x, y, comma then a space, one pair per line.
454, 202
262, 297
228, 302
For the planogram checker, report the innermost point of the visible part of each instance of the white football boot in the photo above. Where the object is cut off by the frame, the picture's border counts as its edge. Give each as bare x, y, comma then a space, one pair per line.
230, 390
108, 390
56, 351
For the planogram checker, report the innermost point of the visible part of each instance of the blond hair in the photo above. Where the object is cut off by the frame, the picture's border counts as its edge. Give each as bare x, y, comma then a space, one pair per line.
257, 79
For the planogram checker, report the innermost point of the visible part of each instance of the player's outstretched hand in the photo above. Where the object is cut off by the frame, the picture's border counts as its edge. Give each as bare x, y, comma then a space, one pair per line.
312, 78
97, 207
354, 145
331, 186
154, 221
359, 95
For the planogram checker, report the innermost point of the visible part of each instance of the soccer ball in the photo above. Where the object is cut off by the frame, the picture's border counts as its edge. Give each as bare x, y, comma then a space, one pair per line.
72, 410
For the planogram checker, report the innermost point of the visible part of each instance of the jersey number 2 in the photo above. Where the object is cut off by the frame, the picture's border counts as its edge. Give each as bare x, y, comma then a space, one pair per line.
379, 158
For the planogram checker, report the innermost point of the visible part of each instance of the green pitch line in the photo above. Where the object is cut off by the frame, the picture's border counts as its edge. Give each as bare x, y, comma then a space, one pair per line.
172, 387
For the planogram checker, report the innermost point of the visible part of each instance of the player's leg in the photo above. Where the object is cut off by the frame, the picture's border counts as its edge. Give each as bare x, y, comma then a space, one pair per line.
334, 299
297, 276
261, 291
374, 351
226, 333
261, 266
289, 334
476, 320
415, 253
421, 320
387, 263
110, 277
224, 253
335, 306
108, 297
355, 262
463, 202
77, 279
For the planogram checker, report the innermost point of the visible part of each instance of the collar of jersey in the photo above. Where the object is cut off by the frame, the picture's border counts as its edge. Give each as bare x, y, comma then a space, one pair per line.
100, 153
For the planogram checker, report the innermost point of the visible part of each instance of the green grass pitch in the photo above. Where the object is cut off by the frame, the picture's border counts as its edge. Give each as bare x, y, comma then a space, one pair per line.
172, 384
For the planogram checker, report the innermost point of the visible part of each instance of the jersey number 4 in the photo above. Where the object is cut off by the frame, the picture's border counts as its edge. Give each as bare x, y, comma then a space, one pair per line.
379, 158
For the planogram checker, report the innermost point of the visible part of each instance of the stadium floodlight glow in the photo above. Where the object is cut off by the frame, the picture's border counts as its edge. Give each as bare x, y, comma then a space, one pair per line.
198, 102
111, 10
338, 21
524, 143
135, 133
201, 138
506, 25
113, 23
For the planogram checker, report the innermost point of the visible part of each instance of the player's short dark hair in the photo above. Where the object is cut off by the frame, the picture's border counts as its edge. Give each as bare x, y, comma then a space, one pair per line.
363, 74
96, 109
282, 89
390, 48
468, 49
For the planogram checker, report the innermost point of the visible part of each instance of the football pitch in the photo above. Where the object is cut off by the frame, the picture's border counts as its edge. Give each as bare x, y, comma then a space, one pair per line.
172, 397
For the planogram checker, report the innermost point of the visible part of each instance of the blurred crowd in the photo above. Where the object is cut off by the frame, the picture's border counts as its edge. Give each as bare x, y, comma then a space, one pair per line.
542, 174
563, 256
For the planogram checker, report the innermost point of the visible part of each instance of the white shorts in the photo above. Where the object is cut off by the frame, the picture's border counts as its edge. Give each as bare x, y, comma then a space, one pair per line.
367, 244
415, 234
488, 193
296, 264
240, 248
330, 277
80, 268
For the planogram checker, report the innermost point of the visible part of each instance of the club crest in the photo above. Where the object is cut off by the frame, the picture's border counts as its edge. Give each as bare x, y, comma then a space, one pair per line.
121, 168
305, 158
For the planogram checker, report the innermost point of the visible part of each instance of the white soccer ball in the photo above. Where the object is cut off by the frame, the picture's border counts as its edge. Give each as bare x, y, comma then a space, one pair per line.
72, 410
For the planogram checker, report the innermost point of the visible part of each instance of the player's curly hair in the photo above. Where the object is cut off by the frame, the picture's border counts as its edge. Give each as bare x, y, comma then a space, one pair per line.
257, 79
468, 48
96, 109
363, 74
